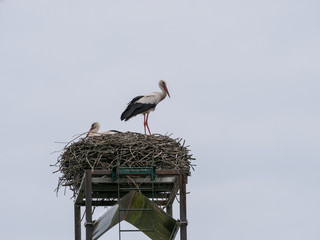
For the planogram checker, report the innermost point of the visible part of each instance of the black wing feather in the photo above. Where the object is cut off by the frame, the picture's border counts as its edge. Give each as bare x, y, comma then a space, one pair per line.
135, 108
134, 100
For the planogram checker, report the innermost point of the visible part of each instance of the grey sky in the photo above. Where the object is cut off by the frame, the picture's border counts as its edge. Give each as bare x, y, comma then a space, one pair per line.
244, 83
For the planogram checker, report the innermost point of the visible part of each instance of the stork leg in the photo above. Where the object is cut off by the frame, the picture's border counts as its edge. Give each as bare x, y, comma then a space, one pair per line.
147, 124
144, 123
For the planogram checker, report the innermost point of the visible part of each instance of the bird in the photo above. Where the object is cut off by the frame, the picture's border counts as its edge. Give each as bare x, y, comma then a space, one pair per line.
95, 128
144, 104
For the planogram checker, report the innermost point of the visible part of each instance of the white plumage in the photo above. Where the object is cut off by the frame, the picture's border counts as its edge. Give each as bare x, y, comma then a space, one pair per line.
95, 128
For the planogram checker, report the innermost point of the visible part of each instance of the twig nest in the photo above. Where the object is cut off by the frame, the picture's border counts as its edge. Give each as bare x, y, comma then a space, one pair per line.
128, 149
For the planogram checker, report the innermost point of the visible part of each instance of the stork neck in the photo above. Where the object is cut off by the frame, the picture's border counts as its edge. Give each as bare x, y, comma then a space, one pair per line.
163, 93
95, 130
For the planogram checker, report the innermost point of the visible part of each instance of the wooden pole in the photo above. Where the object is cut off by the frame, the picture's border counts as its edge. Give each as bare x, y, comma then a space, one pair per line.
77, 222
183, 206
88, 195
169, 210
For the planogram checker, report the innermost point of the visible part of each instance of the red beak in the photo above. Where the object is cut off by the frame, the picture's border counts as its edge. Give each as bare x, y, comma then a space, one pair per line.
166, 89
88, 132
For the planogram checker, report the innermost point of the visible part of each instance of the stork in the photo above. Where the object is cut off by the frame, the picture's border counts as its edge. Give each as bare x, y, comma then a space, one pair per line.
95, 128
144, 104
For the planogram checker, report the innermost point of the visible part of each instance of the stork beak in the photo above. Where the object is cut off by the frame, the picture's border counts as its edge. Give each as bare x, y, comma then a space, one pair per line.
165, 88
88, 132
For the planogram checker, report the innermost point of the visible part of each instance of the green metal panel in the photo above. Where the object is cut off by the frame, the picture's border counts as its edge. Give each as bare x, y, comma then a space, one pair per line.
138, 210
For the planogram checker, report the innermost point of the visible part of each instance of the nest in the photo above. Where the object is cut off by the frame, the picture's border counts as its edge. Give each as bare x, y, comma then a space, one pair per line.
126, 149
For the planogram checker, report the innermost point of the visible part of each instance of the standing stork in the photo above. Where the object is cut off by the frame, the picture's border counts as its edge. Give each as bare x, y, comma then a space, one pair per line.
144, 104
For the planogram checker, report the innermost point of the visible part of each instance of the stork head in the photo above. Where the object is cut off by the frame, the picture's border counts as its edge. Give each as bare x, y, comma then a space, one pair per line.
94, 128
163, 86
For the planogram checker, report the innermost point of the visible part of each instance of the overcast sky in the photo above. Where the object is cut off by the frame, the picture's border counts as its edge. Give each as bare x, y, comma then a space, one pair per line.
244, 82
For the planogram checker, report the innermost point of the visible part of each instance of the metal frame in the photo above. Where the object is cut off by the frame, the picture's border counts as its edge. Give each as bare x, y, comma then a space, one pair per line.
125, 171
98, 184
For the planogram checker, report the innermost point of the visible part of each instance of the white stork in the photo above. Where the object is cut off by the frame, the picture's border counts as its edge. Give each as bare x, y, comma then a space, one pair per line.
95, 128
145, 104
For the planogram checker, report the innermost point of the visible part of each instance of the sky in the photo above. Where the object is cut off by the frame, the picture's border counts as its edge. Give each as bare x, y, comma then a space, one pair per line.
244, 81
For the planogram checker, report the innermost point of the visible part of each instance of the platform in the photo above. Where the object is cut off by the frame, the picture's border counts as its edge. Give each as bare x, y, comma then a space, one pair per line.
105, 190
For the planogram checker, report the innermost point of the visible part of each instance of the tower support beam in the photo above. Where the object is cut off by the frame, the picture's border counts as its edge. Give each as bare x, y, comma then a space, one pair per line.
88, 194
183, 206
